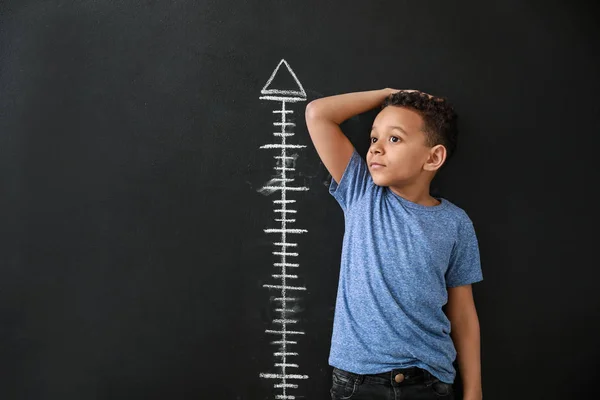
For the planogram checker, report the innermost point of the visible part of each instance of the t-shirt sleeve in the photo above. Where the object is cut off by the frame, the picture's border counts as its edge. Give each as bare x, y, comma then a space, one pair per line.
465, 264
353, 184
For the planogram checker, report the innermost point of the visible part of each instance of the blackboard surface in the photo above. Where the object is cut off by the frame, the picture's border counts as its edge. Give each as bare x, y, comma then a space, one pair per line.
133, 250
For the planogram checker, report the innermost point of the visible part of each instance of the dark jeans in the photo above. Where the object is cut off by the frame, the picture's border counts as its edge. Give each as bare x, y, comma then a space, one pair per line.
415, 384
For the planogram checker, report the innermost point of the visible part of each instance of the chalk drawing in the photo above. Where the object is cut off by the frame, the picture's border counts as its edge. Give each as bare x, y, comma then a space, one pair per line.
284, 245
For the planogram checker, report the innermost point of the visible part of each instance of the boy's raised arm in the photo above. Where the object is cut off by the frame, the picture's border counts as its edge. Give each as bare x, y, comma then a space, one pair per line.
323, 119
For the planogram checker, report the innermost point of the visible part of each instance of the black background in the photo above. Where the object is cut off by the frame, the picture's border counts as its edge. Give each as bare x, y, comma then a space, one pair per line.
132, 251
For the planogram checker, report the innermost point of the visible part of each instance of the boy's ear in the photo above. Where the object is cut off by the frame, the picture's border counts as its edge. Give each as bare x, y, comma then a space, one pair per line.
437, 156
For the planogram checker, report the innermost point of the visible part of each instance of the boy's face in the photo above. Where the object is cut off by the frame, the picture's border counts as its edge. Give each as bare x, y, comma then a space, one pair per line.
398, 143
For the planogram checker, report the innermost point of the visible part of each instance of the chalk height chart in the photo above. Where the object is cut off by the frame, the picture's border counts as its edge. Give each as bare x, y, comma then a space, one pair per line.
285, 331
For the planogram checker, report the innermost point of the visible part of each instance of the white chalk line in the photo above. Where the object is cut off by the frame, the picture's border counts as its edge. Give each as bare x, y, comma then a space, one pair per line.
287, 299
285, 93
285, 244
287, 365
285, 211
289, 99
281, 376
284, 342
283, 111
285, 220
285, 385
282, 146
285, 188
285, 276
284, 287
283, 201
283, 253
285, 321
284, 332
282, 179
274, 230
284, 168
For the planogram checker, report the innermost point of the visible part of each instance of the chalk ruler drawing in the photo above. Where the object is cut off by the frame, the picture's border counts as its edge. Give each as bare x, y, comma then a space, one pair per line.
285, 375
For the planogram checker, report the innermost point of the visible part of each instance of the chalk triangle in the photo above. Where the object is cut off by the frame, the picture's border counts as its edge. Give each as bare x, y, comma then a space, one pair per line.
283, 82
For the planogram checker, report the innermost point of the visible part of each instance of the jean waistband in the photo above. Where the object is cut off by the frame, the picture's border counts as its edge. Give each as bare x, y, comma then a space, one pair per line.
410, 372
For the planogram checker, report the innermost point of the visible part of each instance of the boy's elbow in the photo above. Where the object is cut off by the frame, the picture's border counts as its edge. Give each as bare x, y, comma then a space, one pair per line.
312, 110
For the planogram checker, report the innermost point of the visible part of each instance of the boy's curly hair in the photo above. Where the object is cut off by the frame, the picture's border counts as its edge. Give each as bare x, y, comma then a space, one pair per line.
439, 118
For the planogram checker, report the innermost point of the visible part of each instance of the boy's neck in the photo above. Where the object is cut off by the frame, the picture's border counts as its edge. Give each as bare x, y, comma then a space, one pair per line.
416, 194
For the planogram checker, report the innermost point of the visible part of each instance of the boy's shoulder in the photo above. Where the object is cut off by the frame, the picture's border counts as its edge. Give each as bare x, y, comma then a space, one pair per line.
456, 212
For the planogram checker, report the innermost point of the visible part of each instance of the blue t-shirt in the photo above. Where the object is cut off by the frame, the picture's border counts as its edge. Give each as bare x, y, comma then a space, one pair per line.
398, 258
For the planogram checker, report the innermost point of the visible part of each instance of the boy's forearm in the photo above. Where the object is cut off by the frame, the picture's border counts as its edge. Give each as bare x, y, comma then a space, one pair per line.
466, 337
341, 107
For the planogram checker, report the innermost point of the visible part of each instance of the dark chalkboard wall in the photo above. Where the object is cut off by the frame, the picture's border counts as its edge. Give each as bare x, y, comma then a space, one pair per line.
132, 249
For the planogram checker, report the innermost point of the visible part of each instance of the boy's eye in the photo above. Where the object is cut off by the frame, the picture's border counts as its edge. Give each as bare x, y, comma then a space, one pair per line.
393, 139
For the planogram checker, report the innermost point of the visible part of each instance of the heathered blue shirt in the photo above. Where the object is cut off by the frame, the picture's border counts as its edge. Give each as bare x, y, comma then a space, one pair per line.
398, 258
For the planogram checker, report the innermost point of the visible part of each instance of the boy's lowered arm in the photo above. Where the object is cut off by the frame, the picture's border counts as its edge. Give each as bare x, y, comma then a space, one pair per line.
323, 119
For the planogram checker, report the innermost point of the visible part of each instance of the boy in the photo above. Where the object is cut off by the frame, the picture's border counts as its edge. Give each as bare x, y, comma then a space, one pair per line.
405, 253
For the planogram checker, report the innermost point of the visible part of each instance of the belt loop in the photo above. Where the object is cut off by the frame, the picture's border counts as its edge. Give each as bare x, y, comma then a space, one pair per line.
359, 379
